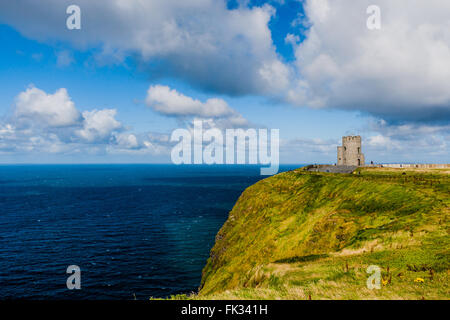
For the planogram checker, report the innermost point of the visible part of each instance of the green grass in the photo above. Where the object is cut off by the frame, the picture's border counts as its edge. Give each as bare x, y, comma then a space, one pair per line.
301, 235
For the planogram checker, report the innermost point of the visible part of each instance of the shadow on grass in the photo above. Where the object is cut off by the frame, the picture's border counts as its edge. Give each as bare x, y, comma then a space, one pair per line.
311, 257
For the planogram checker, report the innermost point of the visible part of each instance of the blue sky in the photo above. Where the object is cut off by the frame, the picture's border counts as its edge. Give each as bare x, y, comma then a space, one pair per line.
274, 64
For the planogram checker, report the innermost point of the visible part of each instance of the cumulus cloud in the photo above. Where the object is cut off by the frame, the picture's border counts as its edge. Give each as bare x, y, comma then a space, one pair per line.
98, 125
399, 73
126, 140
131, 144
45, 123
51, 123
53, 110
55, 115
201, 41
170, 102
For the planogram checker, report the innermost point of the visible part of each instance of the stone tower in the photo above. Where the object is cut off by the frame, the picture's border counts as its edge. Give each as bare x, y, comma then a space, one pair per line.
349, 154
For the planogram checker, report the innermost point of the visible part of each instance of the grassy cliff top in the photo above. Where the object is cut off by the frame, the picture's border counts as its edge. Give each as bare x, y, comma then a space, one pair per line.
301, 235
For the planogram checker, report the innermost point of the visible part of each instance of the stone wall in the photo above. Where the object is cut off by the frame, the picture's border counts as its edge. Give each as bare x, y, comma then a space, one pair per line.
340, 156
412, 165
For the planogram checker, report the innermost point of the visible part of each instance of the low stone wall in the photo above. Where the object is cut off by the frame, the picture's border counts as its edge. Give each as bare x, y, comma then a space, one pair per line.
330, 168
411, 165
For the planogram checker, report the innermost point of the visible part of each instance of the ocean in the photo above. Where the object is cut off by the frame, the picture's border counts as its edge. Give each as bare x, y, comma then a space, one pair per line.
135, 231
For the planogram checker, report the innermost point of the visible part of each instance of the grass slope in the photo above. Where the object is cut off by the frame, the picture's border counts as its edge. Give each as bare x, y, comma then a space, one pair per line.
304, 235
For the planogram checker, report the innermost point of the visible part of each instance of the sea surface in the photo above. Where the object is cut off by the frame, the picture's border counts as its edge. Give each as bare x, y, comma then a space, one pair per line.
135, 231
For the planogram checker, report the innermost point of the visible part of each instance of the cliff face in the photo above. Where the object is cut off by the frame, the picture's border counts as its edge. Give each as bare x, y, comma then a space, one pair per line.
298, 219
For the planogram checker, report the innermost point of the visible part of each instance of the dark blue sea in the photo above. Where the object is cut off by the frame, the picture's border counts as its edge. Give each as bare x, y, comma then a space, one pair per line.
135, 231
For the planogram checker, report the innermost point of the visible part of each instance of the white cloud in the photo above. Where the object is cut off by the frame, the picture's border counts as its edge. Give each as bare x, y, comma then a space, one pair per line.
400, 72
126, 140
49, 143
98, 125
50, 123
200, 41
155, 144
276, 74
6, 129
38, 114
380, 141
43, 123
170, 102
53, 110
292, 39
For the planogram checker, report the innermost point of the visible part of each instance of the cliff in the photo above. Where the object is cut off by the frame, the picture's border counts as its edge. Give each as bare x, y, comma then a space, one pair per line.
301, 235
